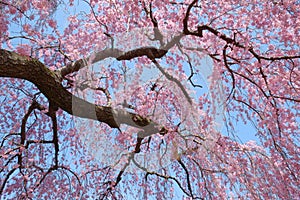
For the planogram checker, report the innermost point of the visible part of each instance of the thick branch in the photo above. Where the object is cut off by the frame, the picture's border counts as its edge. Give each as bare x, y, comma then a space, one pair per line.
150, 52
81, 63
14, 65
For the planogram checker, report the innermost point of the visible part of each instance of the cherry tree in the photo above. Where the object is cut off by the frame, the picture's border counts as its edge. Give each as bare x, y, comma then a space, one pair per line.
112, 99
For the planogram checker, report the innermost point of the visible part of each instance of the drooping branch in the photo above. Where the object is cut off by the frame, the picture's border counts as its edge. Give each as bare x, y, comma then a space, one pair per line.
15, 7
157, 34
176, 81
186, 18
53, 169
6, 179
187, 176
33, 106
52, 114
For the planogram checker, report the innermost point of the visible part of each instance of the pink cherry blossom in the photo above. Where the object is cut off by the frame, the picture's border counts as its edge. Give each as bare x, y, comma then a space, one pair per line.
149, 99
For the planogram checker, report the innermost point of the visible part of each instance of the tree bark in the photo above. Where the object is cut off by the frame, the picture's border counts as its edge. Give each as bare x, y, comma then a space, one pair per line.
13, 65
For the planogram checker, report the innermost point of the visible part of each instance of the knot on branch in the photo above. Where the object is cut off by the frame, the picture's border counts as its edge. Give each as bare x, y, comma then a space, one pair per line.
140, 121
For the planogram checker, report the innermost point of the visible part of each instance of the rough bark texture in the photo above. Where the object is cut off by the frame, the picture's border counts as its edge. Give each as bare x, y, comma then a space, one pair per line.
14, 65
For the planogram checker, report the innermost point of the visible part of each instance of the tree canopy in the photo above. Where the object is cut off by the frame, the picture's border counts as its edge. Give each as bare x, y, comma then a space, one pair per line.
149, 99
